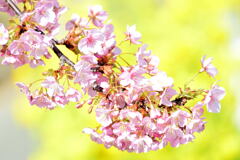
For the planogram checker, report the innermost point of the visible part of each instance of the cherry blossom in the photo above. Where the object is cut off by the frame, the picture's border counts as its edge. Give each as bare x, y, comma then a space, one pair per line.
42, 101
37, 42
166, 96
131, 131
73, 95
146, 60
208, 67
77, 21
91, 43
131, 76
53, 88
24, 88
133, 35
159, 81
85, 76
97, 15
18, 47
16, 60
29, 48
213, 97
46, 13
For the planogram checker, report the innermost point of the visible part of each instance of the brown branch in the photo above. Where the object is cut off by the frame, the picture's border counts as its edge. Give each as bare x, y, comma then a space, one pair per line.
61, 56
14, 7
54, 47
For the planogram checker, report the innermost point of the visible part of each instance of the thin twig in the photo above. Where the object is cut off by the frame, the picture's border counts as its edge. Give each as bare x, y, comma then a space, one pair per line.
124, 60
187, 83
54, 47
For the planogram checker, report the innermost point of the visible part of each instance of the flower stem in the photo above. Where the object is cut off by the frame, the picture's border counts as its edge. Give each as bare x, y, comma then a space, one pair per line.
192, 79
124, 60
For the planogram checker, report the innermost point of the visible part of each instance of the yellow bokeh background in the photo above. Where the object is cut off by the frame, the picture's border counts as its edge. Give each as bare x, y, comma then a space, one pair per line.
179, 32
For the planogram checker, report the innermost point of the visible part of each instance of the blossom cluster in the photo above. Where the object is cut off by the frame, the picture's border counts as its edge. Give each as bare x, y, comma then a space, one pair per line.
132, 131
51, 94
137, 106
30, 49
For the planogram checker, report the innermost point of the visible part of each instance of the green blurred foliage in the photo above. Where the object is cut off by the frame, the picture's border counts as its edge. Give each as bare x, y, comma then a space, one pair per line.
180, 32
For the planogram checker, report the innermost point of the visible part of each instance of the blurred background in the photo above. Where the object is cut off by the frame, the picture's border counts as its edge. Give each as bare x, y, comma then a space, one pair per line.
180, 32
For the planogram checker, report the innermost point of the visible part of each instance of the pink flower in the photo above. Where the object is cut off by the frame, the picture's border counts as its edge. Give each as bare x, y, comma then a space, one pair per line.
116, 100
52, 86
143, 55
94, 135
208, 67
90, 81
50, 95
180, 118
37, 42
132, 94
109, 46
17, 60
124, 141
120, 129
97, 15
84, 75
3, 35
36, 62
103, 82
18, 47
76, 21
24, 89
39, 100
213, 97
146, 60
195, 125
141, 144
109, 43
47, 13
60, 99
42, 101
30, 48
44, 15
149, 126
166, 96
92, 42
73, 22
107, 30
197, 110
73, 95
103, 116
131, 76
54, 91
133, 116
154, 113
159, 81
174, 135
120, 100
133, 35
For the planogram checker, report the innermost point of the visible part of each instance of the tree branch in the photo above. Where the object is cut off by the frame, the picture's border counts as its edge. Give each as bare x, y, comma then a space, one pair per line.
54, 47
14, 7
